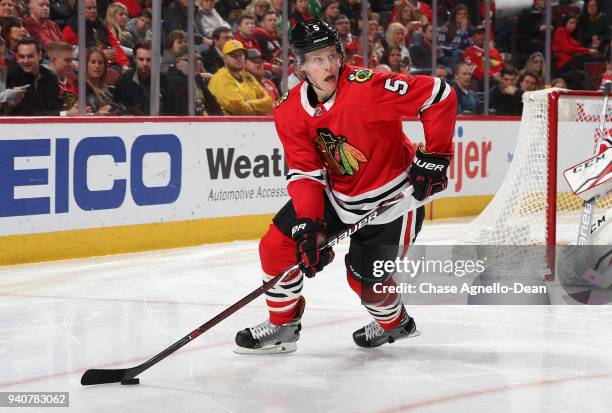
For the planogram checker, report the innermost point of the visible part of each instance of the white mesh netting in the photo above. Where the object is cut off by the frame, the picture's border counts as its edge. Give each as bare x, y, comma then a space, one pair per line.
517, 215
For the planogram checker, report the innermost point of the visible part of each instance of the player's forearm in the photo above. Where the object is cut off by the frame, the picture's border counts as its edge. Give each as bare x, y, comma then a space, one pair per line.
307, 197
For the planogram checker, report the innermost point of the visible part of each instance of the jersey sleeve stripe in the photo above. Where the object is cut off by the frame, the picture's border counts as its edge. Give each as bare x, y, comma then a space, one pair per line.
317, 175
440, 91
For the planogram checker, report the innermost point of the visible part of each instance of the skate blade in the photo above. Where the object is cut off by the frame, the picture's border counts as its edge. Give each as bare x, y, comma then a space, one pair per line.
415, 333
278, 349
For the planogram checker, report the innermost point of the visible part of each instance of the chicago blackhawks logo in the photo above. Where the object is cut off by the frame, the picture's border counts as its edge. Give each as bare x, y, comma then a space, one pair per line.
360, 75
339, 156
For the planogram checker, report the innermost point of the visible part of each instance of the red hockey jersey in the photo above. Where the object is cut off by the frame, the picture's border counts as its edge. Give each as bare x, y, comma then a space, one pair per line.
353, 146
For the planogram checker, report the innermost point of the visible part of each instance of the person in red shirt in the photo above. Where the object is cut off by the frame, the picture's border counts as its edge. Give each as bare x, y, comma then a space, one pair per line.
565, 46
97, 35
300, 12
342, 136
475, 54
570, 55
246, 31
39, 26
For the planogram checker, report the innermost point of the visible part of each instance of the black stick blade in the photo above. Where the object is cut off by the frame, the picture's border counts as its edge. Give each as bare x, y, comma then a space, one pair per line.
99, 376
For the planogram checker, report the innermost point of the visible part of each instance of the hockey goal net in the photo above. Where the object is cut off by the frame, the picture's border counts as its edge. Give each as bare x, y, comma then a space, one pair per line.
534, 205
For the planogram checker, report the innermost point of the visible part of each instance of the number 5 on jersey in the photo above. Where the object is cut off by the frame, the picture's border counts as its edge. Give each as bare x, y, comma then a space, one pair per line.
396, 85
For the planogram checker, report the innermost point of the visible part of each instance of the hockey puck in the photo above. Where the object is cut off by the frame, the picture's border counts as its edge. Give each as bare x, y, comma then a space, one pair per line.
128, 382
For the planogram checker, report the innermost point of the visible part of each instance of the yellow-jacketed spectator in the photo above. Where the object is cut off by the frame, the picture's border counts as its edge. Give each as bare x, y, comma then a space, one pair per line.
236, 90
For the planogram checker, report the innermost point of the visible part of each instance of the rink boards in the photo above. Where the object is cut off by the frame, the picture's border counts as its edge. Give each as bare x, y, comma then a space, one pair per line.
95, 186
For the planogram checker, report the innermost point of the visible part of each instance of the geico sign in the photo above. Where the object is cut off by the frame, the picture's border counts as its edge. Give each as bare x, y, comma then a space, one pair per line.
76, 167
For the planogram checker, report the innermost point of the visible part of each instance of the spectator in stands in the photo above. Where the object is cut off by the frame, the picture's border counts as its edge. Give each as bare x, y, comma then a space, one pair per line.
396, 37
405, 14
527, 80
60, 62
99, 97
205, 102
211, 19
570, 55
61, 11
12, 31
300, 12
349, 41
421, 53
594, 27
267, 37
330, 10
134, 86
536, 64
39, 26
246, 31
42, 97
531, 31
7, 8
255, 66
375, 42
97, 34
9, 98
443, 72
558, 82
258, 9
132, 7
421, 12
236, 90
213, 57
352, 10
455, 35
467, 100
116, 21
393, 58
174, 18
175, 41
475, 54
277, 6
140, 27
506, 96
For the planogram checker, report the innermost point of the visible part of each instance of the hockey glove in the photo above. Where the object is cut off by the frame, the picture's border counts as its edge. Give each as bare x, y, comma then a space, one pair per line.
428, 173
308, 235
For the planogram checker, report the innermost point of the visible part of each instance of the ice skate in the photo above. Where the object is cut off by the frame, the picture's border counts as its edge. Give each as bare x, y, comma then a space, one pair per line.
373, 335
268, 338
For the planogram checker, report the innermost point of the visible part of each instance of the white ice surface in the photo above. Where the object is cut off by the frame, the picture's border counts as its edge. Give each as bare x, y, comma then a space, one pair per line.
59, 319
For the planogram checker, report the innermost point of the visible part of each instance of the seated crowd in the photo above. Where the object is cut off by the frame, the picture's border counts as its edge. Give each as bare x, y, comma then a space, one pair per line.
238, 66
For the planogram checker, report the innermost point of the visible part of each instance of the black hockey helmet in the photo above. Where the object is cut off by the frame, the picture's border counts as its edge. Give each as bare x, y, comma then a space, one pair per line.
314, 34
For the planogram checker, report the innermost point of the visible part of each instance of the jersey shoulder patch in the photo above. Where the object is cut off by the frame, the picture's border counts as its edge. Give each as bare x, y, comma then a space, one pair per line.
360, 75
281, 99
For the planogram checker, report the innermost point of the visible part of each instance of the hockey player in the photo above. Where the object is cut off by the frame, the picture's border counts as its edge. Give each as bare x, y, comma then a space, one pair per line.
344, 145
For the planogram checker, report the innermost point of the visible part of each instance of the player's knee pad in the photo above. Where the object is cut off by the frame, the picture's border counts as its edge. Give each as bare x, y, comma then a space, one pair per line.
276, 251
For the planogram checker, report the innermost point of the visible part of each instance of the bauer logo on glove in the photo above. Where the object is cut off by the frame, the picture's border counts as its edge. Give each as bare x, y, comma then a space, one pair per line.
428, 173
309, 235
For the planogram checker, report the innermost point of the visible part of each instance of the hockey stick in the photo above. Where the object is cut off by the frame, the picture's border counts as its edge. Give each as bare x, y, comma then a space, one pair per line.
127, 376
584, 226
